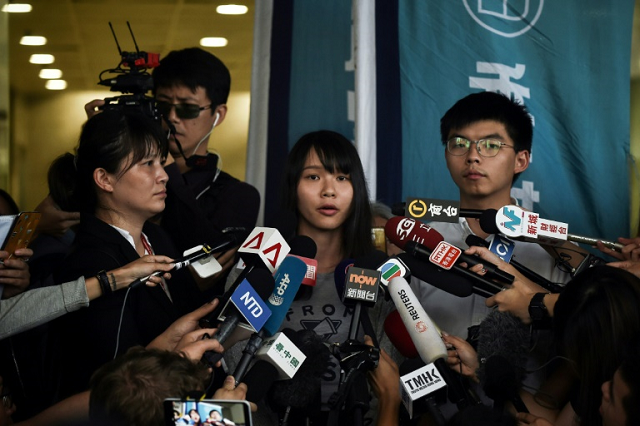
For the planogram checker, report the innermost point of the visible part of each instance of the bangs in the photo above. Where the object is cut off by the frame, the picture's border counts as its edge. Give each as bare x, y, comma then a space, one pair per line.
333, 157
144, 139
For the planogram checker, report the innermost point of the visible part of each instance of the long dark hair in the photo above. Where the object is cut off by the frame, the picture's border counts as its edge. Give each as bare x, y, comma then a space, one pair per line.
106, 141
336, 153
597, 325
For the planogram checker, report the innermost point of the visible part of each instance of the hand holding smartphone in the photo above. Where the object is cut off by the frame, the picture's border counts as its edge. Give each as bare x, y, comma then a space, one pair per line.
210, 412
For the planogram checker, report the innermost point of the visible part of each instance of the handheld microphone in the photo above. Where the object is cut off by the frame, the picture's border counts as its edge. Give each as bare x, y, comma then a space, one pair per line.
419, 383
438, 277
402, 231
252, 252
503, 345
503, 248
246, 306
191, 256
288, 280
515, 222
399, 336
426, 338
431, 209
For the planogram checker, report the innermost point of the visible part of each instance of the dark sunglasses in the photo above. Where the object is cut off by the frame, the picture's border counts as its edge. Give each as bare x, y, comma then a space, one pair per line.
182, 110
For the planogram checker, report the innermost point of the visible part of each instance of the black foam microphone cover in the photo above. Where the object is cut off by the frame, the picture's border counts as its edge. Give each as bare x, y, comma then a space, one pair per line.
259, 380
488, 221
304, 387
504, 334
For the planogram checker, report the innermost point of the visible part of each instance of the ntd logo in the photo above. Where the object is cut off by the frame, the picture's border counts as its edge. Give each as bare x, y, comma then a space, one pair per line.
254, 310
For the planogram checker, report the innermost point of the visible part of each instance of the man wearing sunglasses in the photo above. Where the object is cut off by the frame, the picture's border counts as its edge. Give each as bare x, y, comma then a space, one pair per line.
191, 87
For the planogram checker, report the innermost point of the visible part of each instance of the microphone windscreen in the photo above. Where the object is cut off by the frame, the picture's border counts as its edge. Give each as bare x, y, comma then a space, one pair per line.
444, 280
474, 240
288, 280
286, 222
262, 282
259, 380
488, 221
504, 334
401, 230
410, 365
500, 379
303, 246
304, 388
340, 274
371, 260
399, 336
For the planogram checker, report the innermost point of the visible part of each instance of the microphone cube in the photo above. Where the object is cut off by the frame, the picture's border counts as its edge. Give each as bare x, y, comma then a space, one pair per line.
279, 351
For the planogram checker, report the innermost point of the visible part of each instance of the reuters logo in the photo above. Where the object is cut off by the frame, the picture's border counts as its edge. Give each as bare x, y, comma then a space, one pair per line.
421, 327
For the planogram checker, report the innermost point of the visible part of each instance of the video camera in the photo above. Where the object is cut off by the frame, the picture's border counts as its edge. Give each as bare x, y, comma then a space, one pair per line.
132, 79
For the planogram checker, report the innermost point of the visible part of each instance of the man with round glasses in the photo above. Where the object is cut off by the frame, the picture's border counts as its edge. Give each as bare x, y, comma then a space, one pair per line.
486, 141
191, 87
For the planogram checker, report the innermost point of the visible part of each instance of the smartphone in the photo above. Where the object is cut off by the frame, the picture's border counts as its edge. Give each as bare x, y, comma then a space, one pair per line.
214, 412
22, 232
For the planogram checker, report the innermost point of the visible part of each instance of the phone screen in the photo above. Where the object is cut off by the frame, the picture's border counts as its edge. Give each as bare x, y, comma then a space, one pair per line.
213, 412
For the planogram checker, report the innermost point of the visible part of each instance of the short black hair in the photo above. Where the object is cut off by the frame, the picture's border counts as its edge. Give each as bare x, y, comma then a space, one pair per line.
194, 67
490, 106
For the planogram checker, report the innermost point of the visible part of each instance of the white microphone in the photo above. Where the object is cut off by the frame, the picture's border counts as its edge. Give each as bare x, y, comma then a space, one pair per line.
423, 332
514, 222
426, 338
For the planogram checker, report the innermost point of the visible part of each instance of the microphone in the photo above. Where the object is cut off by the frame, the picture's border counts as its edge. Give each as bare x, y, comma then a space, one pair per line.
265, 244
305, 249
288, 280
246, 307
503, 343
515, 222
426, 338
440, 278
297, 396
419, 383
503, 248
399, 336
191, 256
251, 251
360, 287
431, 209
402, 231
410, 235
259, 380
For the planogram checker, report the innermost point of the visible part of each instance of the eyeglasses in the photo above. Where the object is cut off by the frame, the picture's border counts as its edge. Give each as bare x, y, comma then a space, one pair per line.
182, 110
486, 147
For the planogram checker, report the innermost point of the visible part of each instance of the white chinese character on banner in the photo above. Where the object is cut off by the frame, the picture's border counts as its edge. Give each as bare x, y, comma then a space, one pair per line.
502, 82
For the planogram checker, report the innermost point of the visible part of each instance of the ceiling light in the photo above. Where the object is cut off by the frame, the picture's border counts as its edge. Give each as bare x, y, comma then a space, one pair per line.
38, 58
16, 8
31, 40
56, 84
213, 42
50, 73
232, 9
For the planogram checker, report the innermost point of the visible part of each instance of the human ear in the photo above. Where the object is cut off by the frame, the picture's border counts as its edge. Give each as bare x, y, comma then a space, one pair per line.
103, 179
522, 160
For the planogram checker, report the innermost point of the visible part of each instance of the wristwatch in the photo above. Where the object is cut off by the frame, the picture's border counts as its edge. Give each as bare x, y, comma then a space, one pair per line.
538, 312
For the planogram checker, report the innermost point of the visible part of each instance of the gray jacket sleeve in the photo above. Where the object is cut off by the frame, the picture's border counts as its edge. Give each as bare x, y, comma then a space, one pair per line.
38, 306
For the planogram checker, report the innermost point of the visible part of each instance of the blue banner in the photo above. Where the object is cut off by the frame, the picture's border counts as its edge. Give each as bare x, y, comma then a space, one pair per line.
567, 61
